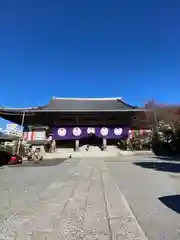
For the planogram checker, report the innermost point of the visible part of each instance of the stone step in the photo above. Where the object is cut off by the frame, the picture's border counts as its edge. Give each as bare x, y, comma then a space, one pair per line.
64, 150
88, 154
57, 155
94, 149
83, 148
113, 149
126, 153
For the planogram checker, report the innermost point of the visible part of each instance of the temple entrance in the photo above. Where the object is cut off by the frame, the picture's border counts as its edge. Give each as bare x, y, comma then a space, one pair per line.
91, 140
112, 142
65, 144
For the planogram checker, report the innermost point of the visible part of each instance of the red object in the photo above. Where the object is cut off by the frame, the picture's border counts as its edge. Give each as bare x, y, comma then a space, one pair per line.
15, 159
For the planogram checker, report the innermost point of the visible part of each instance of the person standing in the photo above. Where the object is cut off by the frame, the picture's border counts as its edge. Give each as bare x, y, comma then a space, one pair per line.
50, 142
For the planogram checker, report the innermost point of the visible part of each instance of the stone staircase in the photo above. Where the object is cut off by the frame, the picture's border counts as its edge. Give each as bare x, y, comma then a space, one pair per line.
93, 151
114, 150
64, 150
83, 148
60, 153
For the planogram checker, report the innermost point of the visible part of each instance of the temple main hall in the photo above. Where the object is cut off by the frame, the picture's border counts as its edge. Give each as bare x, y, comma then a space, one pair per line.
75, 122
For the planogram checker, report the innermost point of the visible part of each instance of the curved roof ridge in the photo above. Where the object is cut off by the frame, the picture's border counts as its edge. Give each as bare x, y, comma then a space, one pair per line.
82, 99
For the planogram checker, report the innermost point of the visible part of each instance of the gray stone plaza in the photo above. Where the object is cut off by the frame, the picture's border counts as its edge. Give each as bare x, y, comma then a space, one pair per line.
89, 198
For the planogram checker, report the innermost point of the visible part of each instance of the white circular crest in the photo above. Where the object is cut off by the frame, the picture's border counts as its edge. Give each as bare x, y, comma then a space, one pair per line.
76, 131
118, 131
91, 130
62, 132
104, 131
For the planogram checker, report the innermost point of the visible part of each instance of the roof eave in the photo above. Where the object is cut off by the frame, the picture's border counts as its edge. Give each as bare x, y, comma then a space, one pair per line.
17, 112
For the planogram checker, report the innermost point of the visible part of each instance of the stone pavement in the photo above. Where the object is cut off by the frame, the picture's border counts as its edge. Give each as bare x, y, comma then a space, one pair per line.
152, 189
88, 205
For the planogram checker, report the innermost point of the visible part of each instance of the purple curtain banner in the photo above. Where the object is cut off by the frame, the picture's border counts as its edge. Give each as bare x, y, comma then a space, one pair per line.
70, 133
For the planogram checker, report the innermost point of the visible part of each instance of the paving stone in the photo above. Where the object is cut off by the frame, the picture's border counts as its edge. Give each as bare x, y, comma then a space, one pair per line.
121, 220
73, 214
21, 185
95, 221
97, 237
85, 204
14, 223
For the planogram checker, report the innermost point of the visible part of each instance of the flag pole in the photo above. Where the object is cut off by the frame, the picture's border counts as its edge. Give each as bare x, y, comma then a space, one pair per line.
21, 133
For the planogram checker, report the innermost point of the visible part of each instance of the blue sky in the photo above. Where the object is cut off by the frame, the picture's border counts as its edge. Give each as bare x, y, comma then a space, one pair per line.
78, 48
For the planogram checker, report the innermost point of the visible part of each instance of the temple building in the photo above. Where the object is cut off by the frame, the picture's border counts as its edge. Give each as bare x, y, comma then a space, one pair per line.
79, 121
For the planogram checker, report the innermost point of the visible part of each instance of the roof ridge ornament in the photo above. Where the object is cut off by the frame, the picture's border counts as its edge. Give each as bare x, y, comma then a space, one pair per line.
119, 98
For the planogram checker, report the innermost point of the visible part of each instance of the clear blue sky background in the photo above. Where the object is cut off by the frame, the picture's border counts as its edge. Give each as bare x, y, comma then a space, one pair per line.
89, 48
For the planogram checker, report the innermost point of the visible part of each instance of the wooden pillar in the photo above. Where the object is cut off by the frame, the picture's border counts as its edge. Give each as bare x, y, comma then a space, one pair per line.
76, 144
53, 145
104, 143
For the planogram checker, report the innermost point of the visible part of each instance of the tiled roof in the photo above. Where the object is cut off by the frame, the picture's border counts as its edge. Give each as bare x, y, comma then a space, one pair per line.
87, 104
77, 105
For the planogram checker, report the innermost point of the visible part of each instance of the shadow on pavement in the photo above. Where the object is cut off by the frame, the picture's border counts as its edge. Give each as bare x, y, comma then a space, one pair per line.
172, 202
44, 163
160, 166
168, 158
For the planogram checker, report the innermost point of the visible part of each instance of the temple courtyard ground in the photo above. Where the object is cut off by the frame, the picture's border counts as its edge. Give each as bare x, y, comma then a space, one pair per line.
125, 198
